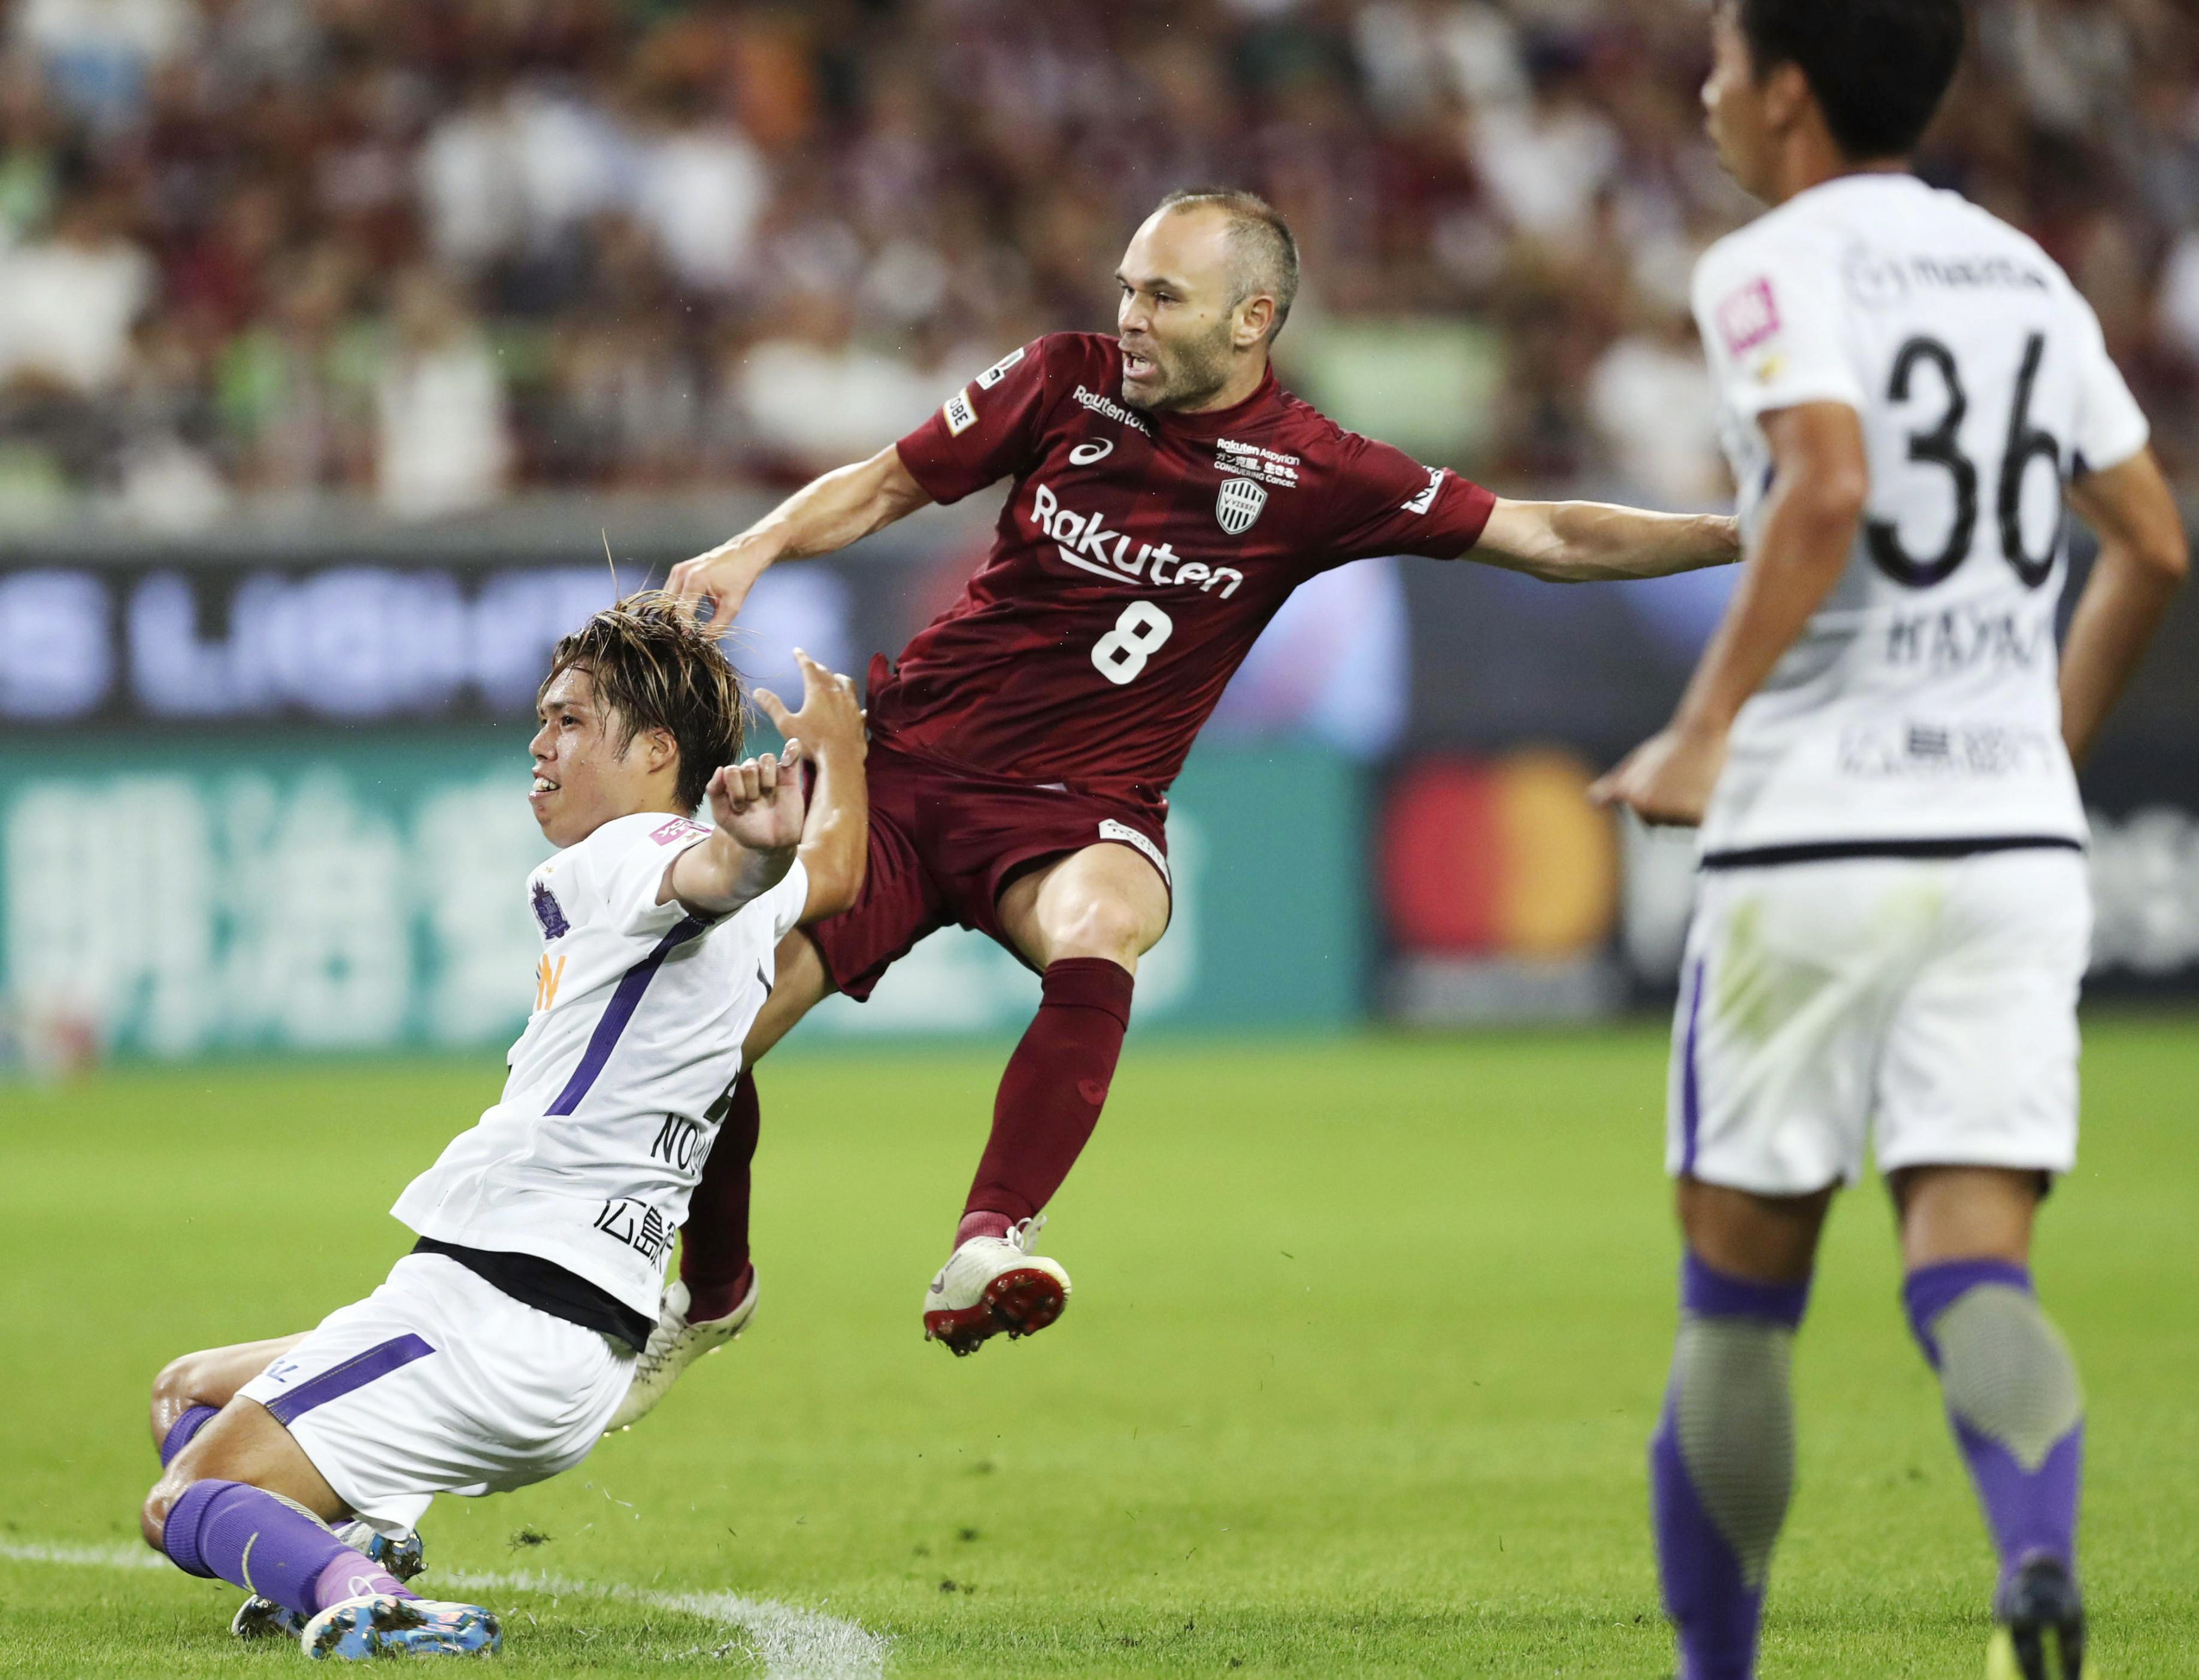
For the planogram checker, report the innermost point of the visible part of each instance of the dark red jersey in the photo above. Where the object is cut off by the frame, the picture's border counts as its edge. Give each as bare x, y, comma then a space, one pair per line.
1138, 558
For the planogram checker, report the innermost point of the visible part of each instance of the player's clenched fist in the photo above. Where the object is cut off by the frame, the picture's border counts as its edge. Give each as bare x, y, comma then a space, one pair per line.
831, 719
764, 813
758, 802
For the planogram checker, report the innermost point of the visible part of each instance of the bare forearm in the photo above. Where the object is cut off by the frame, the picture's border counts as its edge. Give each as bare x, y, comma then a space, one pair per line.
1587, 542
836, 839
828, 513
2114, 622
1802, 549
1603, 542
717, 876
2144, 556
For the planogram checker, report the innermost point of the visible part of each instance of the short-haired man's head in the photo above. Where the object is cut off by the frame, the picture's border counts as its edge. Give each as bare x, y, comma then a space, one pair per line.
1262, 255
1878, 69
654, 667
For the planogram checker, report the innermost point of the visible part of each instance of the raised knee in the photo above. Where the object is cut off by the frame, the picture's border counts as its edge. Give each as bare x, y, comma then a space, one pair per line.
1103, 928
183, 1380
153, 1515
170, 1390
179, 1386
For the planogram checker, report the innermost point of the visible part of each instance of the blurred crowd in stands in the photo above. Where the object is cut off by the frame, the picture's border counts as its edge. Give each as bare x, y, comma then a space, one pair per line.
434, 251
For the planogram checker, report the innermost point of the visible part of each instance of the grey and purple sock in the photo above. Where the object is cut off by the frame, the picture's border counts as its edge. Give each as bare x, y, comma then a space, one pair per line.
1722, 1463
182, 1429
2013, 1399
267, 1545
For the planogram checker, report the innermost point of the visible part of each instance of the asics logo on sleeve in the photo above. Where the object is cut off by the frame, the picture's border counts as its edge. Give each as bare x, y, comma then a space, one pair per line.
1086, 453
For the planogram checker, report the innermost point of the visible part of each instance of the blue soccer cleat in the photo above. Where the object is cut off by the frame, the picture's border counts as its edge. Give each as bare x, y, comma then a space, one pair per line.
405, 1557
388, 1626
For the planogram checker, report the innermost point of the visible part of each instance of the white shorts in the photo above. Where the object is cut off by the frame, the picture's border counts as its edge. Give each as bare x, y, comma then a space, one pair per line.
439, 1382
1927, 1004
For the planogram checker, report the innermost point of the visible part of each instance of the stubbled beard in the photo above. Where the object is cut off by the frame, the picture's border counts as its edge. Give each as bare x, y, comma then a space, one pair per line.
1200, 369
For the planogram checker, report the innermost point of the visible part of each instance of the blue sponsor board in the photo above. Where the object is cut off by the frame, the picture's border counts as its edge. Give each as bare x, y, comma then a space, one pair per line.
310, 891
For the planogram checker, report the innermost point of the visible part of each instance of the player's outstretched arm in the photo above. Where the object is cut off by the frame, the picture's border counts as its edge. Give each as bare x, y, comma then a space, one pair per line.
1808, 527
835, 846
1592, 542
2144, 556
826, 514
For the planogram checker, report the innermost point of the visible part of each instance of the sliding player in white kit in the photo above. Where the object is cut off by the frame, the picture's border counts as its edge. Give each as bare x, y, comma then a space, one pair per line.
499, 1348
1893, 919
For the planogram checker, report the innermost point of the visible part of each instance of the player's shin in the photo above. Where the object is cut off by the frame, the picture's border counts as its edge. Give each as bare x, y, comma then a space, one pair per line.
1722, 1463
2013, 1398
267, 1545
1050, 1095
713, 1243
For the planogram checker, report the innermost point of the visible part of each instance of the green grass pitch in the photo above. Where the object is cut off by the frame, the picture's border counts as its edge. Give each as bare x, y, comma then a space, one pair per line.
1367, 1340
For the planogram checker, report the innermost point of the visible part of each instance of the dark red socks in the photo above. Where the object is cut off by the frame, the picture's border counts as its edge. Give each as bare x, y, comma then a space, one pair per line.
1050, 1095
714, 1244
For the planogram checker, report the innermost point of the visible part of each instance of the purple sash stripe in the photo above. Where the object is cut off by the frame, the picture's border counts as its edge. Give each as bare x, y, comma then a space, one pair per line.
356, 1372
624, 1002
1691, 1105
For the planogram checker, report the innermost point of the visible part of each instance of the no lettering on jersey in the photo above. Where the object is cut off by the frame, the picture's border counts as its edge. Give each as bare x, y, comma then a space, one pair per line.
1138, 558
616, 1086
1921, 702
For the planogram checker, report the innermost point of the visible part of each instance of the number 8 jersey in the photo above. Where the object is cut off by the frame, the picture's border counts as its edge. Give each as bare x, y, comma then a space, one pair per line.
1919, 705
1138, 557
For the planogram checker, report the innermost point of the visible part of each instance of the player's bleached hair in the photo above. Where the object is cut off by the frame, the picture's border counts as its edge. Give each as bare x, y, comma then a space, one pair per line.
1262, 255
655, 667
1878, 69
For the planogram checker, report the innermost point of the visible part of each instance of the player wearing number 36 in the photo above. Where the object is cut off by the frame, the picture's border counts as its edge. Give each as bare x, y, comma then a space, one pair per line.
1893, 919
1165, 497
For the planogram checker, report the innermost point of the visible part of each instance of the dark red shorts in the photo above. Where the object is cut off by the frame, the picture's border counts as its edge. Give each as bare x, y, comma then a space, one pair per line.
945, 840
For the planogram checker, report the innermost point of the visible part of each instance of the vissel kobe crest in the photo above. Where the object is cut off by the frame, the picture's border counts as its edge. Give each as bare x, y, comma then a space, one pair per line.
1238, 504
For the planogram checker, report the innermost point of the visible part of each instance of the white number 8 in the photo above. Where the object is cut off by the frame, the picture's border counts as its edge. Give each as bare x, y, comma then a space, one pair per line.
1122, 653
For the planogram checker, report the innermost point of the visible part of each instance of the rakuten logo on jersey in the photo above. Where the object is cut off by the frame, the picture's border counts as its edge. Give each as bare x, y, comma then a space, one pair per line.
1109, 408
1084, 541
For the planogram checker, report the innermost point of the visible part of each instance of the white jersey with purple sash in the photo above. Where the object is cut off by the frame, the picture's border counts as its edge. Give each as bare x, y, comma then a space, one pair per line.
617, 1085
1919, 703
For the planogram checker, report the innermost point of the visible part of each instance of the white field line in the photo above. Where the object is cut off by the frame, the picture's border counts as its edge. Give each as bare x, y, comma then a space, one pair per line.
794, 1643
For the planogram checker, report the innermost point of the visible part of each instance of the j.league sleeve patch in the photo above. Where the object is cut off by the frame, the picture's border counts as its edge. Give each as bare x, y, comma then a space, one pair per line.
1748, 317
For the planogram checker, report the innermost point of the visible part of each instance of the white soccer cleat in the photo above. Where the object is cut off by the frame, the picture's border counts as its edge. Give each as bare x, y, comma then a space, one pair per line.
673, 1345
994, 1283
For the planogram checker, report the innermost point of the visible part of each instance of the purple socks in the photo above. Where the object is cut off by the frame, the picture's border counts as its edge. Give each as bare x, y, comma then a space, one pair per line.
2012, 1397
264, 1544
180, 1431
1722, 1463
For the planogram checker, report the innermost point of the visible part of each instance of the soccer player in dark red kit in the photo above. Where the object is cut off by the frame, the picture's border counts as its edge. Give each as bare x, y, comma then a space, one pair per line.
1168, 496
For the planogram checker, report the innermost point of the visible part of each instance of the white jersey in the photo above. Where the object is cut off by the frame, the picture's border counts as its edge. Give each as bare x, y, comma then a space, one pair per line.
617, 1085
1920, 703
